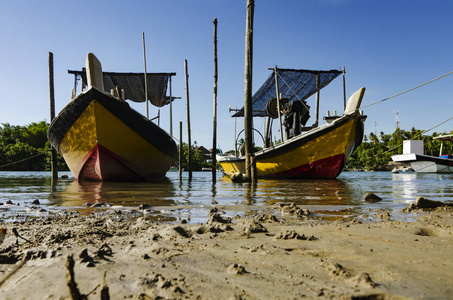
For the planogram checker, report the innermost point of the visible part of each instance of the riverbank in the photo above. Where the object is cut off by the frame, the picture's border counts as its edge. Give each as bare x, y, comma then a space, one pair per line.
283, 255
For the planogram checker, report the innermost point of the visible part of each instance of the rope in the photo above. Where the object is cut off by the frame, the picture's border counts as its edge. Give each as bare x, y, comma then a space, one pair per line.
408, 90
19, 161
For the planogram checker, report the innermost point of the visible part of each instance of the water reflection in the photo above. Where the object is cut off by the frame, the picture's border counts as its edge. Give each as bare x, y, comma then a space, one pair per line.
305, 192
191, 199
77, 193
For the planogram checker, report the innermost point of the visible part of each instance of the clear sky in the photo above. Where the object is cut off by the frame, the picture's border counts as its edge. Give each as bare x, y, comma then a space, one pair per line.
386, 46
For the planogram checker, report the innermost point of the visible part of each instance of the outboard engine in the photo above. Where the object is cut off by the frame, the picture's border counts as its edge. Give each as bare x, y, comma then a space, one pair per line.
296, 114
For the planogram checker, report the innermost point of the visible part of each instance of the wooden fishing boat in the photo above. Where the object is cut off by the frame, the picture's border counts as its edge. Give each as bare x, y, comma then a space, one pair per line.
422, 163
101, 138
316, 152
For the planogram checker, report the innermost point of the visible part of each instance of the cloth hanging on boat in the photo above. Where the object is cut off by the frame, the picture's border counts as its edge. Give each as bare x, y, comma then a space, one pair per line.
293, 84
133, 85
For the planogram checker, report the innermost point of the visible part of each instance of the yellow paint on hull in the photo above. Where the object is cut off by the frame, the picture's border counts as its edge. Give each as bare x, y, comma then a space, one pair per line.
96, 125
339, 141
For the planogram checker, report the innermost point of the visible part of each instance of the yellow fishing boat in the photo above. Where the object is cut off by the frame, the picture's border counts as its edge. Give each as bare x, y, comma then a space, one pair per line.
314, 152
101, 138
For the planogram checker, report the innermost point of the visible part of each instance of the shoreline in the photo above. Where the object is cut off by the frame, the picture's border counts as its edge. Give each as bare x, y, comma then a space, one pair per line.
284, 254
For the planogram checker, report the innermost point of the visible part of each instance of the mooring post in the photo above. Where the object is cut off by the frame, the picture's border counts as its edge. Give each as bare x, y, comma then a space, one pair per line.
53, 155
250, 166
214, 130
189, 145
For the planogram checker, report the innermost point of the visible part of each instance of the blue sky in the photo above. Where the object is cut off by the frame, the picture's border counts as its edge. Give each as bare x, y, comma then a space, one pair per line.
386, 46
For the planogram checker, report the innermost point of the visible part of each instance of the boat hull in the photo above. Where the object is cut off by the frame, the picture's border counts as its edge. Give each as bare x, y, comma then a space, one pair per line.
425, 163
103, 139
318, 154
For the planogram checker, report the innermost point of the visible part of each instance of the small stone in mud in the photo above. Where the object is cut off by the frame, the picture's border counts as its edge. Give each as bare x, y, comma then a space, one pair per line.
236, 269
291, 234
292, 208
218, 218
84, 256
214, 210
426, 203
146, 256
103, 251
268, 218
370, 197
90, 264
365, 280
144, 206
35, 209
253, 227
338, 270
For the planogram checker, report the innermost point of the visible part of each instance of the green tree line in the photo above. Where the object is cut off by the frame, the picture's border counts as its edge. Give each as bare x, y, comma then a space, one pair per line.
375, 152
198, 160
26, 148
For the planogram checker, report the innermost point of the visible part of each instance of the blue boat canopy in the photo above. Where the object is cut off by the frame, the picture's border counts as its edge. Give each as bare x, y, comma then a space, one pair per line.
293, 85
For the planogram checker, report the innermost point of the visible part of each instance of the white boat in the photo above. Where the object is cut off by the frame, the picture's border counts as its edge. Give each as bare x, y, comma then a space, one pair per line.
413, 154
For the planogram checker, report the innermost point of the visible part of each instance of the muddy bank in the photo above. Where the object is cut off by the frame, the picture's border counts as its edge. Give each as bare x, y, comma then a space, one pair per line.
279, 255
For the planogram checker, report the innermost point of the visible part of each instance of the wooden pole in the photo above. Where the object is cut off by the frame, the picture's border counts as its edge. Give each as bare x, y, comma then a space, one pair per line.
189, 143
180, 150
171, 111
235, 139
344, 86
53, 155
214, 131
277, 91
146, 82
317, 101
248, 114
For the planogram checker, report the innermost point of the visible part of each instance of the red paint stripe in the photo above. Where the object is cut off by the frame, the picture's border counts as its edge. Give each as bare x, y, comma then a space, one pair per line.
327, 168
101, 164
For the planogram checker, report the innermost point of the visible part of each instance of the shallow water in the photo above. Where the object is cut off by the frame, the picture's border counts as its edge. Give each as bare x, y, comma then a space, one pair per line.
175, 198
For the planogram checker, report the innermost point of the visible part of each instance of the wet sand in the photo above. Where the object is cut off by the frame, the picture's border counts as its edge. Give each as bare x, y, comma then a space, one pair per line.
282, 255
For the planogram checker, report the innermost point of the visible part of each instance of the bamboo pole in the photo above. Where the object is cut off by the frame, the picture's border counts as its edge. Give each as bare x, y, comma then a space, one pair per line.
317, 101
277, 91
146, 82
344, 86
248, 115
53, 155
214, 130
189, 143
171, 111
180, 150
